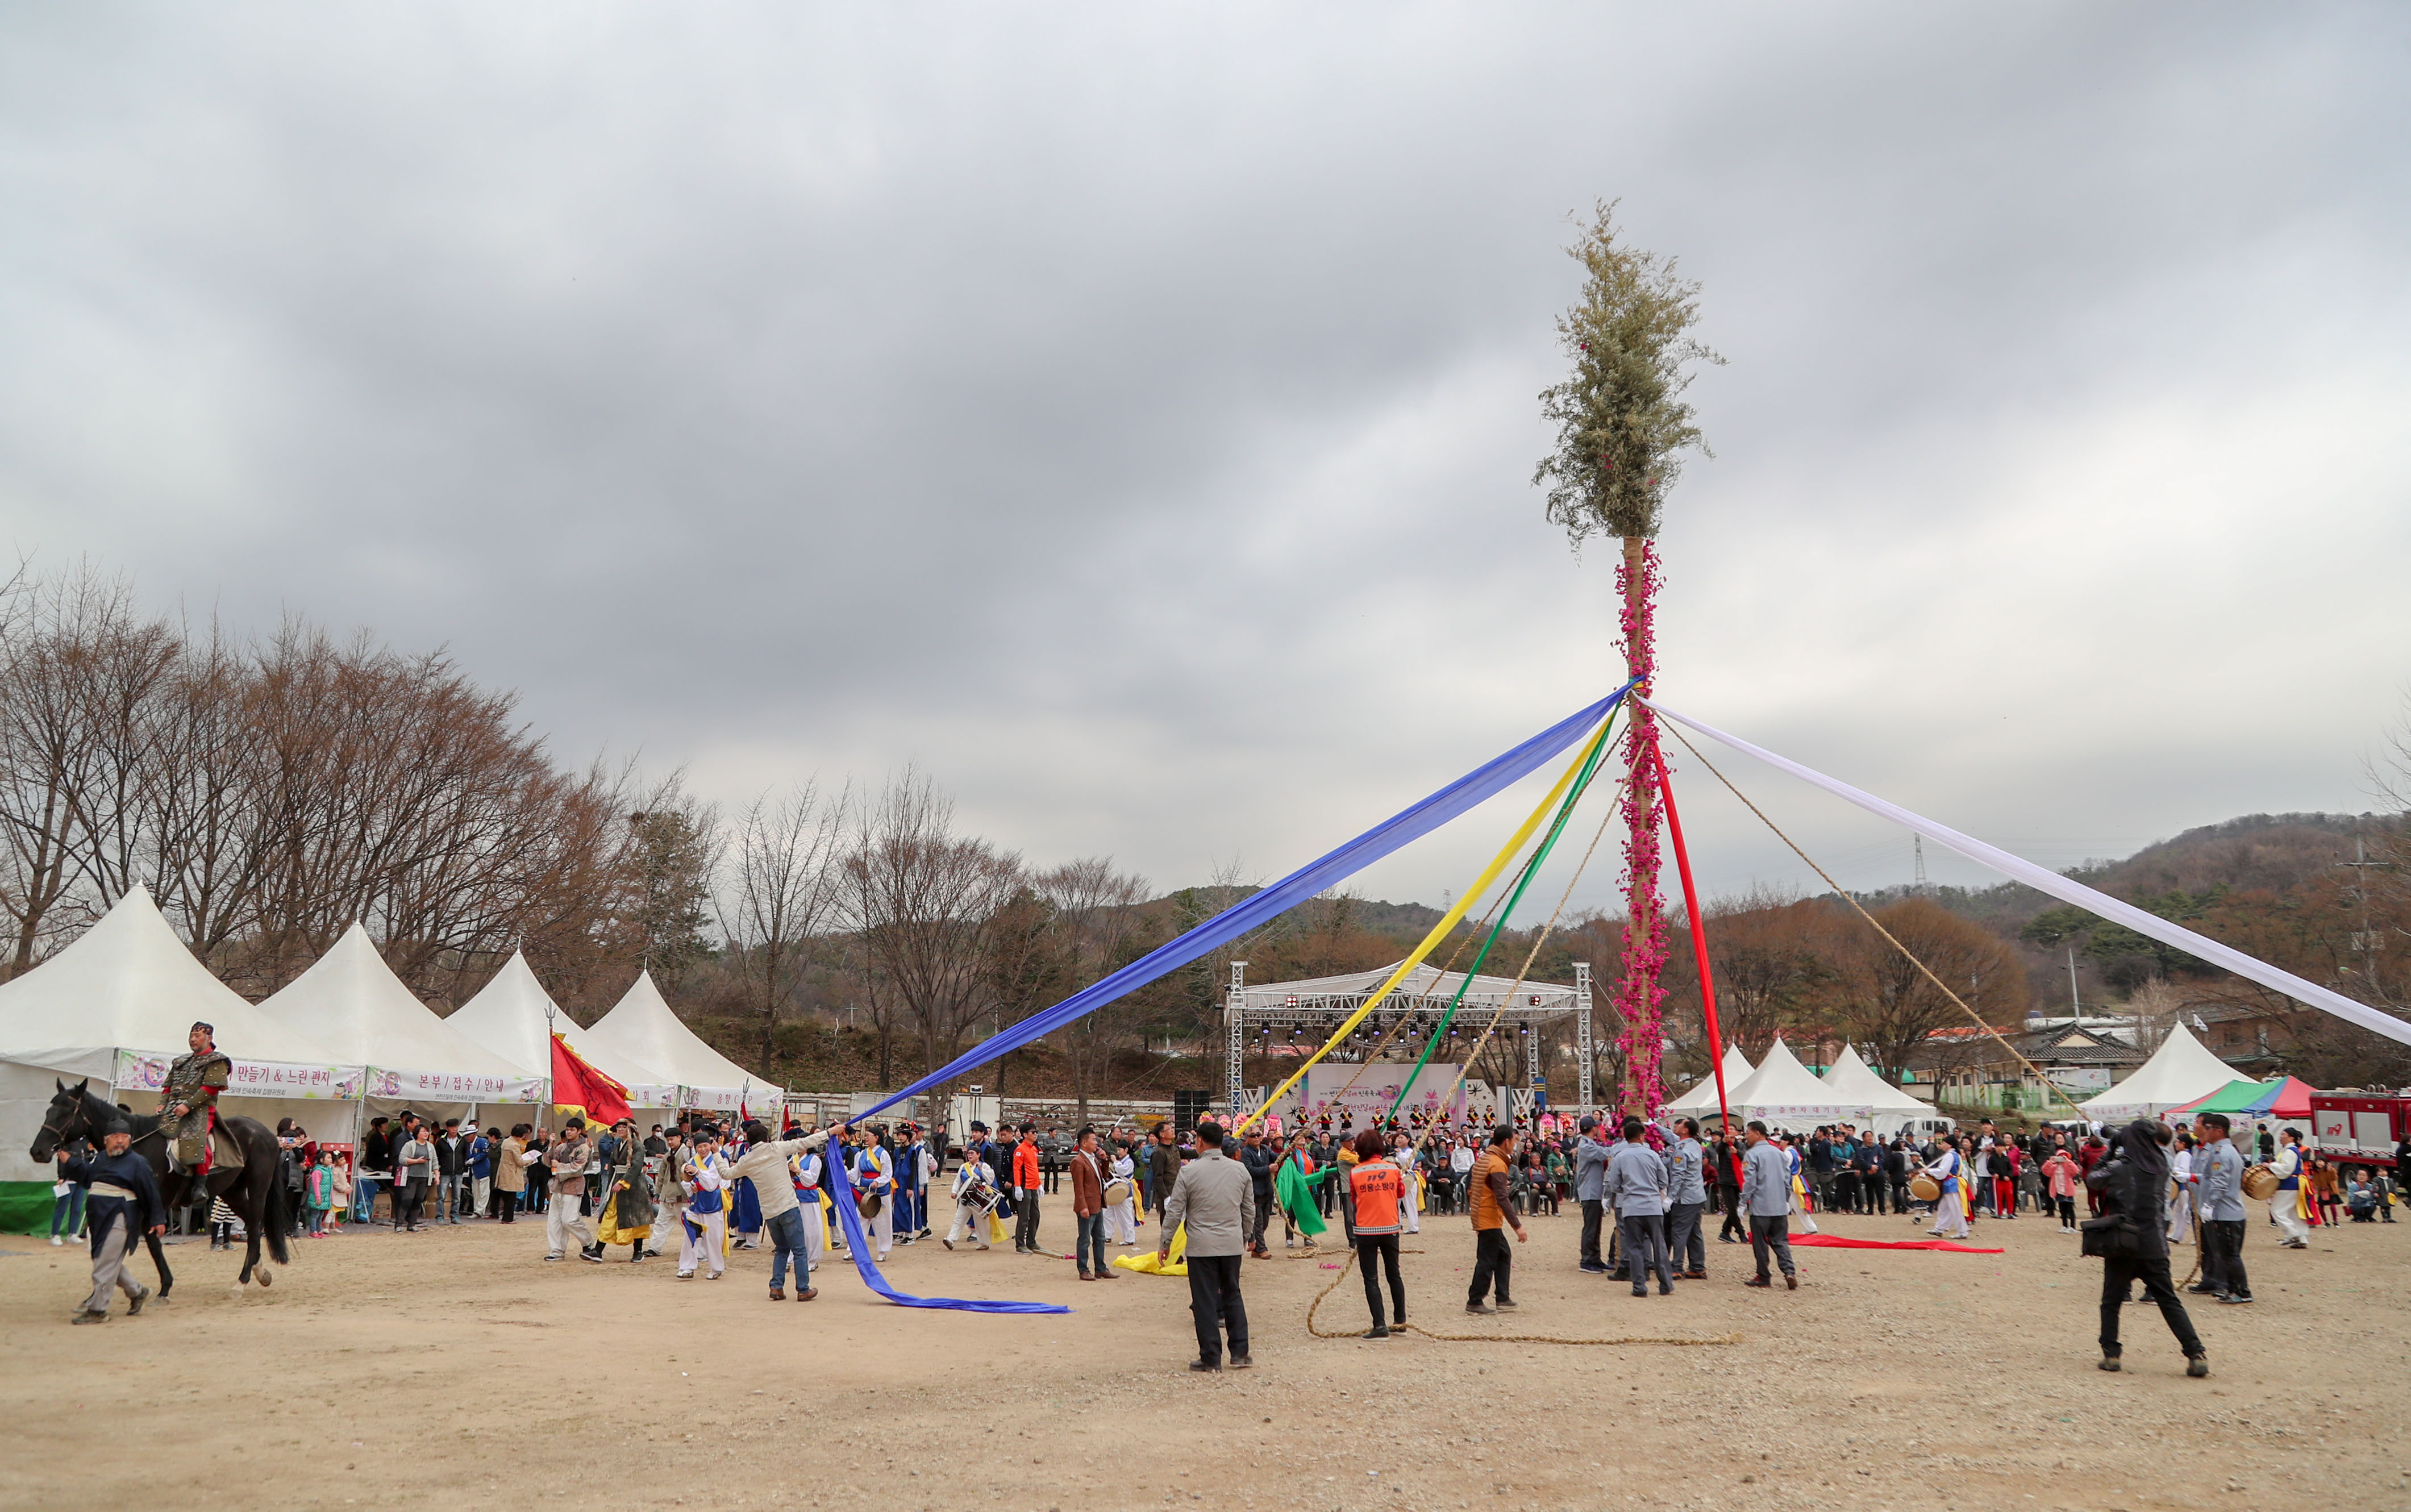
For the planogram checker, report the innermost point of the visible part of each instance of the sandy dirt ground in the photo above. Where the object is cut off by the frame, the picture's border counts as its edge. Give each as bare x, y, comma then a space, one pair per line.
456, 1368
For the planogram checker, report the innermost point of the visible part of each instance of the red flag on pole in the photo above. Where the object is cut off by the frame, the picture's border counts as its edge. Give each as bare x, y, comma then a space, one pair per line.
580, 1088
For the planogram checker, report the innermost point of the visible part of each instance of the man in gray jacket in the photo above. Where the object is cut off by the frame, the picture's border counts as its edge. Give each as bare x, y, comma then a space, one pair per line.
1766, 1197
1636, 1189
1686, 1190
2218, 1167
1591, 1153
1215, 1198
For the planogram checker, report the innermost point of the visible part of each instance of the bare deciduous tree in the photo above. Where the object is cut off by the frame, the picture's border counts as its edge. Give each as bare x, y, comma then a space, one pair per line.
78, 666
666, 877
1099, 923
1888, 1006
268, 796
924, 900
784, 877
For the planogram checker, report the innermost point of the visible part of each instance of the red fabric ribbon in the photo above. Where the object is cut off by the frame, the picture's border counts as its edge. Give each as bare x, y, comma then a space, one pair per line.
1837, 1241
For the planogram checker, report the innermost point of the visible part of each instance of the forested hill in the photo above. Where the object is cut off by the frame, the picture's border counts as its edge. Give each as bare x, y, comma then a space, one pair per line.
2272, 851
2256, 853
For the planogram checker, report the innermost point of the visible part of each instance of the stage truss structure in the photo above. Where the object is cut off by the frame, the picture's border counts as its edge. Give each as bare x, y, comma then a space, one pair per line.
1319, 1004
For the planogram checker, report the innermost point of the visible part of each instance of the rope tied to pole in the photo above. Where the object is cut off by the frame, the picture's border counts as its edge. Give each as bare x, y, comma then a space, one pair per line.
1907, 954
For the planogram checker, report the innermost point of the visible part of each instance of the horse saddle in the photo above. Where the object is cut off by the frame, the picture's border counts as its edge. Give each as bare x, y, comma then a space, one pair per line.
225, 1154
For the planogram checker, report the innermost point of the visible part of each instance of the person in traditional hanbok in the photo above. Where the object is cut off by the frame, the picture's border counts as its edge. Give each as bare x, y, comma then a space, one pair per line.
911, 1185
625, 1216
971, 1216
2286, 1205
1799, 1187
874, 1175
1950, 1173
2180, 1204
807, 1168
744, 1200
1294, 1181
1405, 1158
704, 1220
1122, 1219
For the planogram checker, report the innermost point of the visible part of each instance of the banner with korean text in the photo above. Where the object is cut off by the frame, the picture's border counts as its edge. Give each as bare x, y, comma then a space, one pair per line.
448, 1086
139, 1072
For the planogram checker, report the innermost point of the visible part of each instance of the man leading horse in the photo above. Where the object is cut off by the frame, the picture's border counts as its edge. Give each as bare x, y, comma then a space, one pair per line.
124, 1202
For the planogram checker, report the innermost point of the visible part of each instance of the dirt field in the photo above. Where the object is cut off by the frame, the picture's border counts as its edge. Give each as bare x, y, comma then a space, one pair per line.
456, 1368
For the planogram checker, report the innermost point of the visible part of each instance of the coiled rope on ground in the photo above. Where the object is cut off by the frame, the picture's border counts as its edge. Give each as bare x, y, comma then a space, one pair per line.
1488, 1338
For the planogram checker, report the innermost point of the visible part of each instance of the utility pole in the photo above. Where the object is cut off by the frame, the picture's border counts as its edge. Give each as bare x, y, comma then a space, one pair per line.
2364, 942
1922, 889
2075, 1004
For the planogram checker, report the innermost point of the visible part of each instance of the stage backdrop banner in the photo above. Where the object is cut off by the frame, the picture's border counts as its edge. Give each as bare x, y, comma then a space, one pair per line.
139, 1072
1366, 1102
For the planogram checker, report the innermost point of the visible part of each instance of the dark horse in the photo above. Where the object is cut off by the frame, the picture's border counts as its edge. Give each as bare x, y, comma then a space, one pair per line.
251, 1190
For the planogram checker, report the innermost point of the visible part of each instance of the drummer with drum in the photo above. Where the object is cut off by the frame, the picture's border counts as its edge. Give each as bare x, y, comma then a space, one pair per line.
975, 1193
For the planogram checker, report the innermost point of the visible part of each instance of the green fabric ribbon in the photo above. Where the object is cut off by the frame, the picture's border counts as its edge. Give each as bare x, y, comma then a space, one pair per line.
1296, 1193
1532, 870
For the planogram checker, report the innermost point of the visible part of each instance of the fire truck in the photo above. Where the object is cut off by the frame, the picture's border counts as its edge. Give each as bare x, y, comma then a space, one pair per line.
2359, 1127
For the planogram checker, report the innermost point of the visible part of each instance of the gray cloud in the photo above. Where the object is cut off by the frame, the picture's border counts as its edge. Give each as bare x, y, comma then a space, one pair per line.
1128, 417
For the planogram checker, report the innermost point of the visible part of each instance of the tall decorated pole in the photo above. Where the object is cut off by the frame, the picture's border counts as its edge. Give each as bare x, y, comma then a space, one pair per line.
1640, 1001
1622, 427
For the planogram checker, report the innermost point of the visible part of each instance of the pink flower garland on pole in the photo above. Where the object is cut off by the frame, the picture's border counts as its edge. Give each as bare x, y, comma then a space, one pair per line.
1639, 1000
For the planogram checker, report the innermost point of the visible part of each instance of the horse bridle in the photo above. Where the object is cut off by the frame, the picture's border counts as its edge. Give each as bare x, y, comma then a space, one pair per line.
59, 1134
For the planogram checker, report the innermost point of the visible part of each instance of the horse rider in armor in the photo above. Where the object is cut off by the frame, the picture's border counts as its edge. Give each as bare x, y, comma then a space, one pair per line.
190, 1097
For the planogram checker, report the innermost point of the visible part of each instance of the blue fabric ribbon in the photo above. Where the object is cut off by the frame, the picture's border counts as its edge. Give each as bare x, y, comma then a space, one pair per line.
1251, 912
857, 1243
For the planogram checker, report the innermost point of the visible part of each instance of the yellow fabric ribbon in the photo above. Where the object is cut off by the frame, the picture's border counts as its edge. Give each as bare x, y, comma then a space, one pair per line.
1441, 931
1148, 1264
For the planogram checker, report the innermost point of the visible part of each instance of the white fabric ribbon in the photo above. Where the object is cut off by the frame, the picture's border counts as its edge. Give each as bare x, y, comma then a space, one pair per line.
2073, 892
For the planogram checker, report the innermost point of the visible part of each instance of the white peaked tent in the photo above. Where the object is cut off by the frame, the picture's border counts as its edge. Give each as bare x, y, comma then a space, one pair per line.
1788, 1096
1852, 1078
352, 1002
116, 1006
2178, 1072
642, 1027
516, 1018
1702, 1099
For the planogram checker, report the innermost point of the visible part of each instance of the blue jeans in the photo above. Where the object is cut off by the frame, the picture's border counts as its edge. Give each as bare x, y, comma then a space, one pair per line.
1091, 1240
787, 1239
70, 1208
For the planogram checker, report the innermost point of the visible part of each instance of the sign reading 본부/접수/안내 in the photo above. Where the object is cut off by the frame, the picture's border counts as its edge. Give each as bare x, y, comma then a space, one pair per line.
453, 1087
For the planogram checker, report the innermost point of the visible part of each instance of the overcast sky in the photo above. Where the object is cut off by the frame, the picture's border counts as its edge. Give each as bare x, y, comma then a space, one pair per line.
1128, 413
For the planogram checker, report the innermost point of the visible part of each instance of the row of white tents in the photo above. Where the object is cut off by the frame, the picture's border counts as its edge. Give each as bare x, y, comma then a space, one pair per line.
341, 1043
1787, 1094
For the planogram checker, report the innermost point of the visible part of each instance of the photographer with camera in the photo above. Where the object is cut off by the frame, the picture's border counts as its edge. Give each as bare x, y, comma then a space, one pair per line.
2131, 1239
